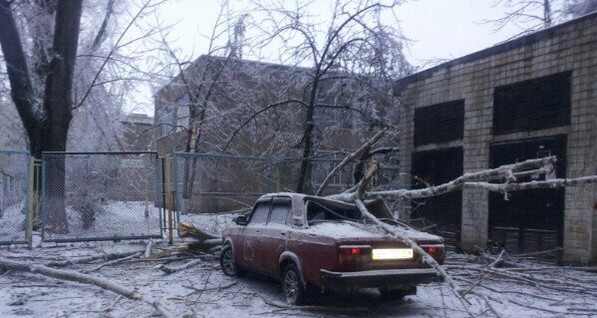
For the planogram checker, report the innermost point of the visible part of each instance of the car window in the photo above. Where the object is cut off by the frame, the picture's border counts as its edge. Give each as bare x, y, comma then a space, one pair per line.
260, 214
317, 212
280, 210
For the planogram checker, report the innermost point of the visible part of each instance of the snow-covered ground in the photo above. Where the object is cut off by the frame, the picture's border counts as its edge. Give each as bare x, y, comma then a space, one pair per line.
11, 223
113, 219
535, 290
204, 291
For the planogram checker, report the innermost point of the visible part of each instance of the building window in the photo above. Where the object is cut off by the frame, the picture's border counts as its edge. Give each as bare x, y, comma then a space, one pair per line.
182, 112
435, 167
530, 220
439, 123
166, 119
531, 105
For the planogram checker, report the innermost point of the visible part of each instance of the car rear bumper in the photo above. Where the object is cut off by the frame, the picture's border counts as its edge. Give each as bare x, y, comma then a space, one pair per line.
379, 278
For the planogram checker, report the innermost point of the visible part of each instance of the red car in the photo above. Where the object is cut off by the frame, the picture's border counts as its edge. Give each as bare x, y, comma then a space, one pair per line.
314, 243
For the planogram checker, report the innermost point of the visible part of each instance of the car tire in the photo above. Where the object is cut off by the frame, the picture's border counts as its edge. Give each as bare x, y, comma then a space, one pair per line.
393, 293
292, 286
227, 262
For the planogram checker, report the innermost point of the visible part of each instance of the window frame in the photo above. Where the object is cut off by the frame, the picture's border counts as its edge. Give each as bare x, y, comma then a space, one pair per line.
271, 213
430, 123
520, 106
258, 204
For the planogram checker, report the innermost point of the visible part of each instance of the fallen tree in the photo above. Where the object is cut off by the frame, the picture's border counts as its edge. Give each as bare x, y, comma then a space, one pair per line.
69, 276
190, 230
507, 175
502, 179
89, 259
205, 242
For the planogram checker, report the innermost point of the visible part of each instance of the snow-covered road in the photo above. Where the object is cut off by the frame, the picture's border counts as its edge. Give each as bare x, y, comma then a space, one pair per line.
203, 291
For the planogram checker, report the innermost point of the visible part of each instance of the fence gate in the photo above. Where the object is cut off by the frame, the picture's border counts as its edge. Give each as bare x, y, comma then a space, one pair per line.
100, 196
14, 196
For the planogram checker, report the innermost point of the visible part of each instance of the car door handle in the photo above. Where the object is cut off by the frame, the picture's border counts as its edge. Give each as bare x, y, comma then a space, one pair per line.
282, 233
257, 231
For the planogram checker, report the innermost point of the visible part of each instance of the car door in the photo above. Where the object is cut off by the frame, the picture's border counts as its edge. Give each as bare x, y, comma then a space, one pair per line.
275, 234
252, 232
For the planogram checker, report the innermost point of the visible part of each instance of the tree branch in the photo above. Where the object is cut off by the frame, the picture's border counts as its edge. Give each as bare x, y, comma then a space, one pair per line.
22, 92
357, 153
505, 172
68, 275
116, 45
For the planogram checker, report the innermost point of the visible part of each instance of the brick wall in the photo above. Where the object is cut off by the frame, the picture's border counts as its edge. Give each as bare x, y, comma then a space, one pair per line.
569, 47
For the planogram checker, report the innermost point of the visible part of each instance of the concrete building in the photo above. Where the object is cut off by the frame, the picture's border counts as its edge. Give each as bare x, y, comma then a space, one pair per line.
526, 98
137, 132
255, 109
229, 91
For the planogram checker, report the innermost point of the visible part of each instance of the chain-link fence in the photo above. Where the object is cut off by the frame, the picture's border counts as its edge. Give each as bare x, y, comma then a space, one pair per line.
14, 196
209, 183
101, 196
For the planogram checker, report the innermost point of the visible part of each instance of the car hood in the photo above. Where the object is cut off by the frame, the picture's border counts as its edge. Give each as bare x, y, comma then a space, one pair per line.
340, 230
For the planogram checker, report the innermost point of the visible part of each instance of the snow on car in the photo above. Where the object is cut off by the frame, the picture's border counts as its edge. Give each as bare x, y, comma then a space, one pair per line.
316, 244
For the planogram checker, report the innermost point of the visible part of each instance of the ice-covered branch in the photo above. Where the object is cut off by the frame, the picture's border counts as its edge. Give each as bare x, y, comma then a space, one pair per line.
70, 276
427, 259
506, 173
363, 149
547, 184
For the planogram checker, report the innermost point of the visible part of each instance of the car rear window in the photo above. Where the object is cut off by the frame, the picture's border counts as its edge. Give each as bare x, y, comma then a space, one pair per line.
325, 212
320, 212
280, 210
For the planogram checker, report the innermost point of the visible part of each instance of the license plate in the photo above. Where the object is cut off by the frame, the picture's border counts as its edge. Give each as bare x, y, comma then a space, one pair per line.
392, 253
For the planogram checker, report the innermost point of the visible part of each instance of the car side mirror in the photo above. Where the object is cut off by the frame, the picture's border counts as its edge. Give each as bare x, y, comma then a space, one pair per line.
240, 220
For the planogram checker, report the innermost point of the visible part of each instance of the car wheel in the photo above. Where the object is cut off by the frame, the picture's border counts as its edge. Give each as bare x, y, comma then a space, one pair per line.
227, 262
396, 293
293, 288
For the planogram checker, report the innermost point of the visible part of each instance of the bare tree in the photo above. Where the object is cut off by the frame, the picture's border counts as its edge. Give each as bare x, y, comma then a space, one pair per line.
196, 82
347, 68
192, 94
46, 117
528, 15
110, 68
46, 113
577, 8
50, 83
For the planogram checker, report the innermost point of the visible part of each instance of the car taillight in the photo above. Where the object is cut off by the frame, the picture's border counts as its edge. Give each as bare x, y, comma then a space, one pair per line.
431, 250
352, 255
352, 251
436, 251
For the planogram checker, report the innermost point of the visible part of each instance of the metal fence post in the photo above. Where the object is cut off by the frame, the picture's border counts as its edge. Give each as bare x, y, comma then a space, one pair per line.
43, 199
169, 200
31, 207
37, 193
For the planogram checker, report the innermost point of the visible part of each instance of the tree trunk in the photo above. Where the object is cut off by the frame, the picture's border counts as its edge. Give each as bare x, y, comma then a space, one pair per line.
547, 14
58, 108
304, 179
21, 86
196, 118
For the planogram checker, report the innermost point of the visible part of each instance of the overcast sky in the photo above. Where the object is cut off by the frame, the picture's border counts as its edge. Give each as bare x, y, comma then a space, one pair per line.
439, 29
